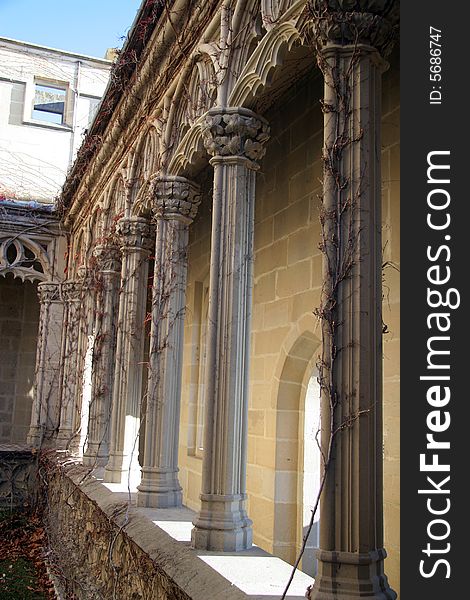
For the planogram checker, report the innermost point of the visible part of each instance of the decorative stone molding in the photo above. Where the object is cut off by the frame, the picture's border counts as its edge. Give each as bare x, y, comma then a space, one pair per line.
235, 132
134, 232
353, 22
175, 198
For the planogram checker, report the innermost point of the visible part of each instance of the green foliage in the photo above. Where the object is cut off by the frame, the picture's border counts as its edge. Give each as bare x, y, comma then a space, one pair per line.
18, 580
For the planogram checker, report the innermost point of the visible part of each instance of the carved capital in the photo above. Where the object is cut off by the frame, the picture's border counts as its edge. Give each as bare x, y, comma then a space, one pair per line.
235, 132
71, 291
49, 291
107, 258
353, 22
175, 198
134, 233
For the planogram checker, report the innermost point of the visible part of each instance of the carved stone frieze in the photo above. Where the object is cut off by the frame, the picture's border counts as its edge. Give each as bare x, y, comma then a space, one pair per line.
235, 132
353, 22
175, 198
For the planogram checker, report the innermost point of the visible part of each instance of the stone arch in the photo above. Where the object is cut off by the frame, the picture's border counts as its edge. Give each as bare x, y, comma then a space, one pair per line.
262, 64
273, 10
25, 258
293, 374
144, 161
194, 96
190, 156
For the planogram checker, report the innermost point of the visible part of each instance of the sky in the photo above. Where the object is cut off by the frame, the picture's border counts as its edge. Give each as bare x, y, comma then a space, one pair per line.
81, 26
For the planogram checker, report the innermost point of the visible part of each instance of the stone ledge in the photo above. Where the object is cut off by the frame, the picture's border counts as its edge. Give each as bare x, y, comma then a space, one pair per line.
163, 536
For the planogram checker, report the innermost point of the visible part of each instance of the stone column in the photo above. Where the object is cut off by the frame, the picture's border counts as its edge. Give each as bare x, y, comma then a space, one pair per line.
175, 205
71, 295
85, 315
350, 46
106, 260
134, 233
234, 137
45, 410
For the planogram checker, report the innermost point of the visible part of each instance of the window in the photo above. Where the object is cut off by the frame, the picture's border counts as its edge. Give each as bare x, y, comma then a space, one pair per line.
93, 107
49, 103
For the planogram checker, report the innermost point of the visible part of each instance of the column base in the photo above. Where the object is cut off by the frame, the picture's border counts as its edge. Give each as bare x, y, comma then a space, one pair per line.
95, 456
159, 488
350, 576
64, 439
114, 470
222, 524
39, 437
119, 470
35, 437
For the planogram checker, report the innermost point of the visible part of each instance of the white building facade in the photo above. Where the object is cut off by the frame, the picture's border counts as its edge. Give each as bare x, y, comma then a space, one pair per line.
48, 97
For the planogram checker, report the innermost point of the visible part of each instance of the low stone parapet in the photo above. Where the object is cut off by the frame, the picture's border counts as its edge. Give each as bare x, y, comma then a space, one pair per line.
105, 547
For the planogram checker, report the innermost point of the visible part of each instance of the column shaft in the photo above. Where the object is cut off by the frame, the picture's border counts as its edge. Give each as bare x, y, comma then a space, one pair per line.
45, 410
175, 206
351, 529
222, 523
127, 388
71, 293
107, 275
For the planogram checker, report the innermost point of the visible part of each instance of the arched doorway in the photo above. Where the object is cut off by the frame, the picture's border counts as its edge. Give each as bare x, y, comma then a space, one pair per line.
311, 467
297, 474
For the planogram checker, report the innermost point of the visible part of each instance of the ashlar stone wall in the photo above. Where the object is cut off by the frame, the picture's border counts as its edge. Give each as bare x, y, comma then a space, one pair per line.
19, 319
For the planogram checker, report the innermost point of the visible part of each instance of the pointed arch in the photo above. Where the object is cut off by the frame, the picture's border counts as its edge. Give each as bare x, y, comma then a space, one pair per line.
25, 258
293, 375
261, 66
194, 96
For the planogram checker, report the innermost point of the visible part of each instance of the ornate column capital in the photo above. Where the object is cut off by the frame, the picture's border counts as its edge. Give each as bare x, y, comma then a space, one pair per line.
134, 233
353, 23
49, 291
71, 291
175, 198
235, 132
107, 258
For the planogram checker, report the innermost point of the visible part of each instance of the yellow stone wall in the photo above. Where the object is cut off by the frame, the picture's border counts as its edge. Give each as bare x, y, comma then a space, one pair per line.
19, 319
285, 334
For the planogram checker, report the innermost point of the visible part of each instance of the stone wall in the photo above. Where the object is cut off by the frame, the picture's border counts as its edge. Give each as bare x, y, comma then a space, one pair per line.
19, 318
102, 548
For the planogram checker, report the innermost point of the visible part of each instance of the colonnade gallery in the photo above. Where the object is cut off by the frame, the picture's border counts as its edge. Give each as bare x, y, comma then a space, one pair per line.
221, 331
